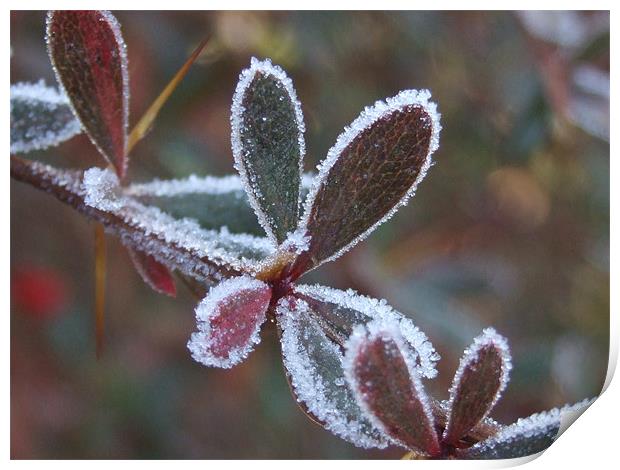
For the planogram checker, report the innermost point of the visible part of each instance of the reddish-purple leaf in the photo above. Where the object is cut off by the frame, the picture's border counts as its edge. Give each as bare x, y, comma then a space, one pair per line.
155, 274
374, 167
478, 383
89, 57
229, 320
380, 368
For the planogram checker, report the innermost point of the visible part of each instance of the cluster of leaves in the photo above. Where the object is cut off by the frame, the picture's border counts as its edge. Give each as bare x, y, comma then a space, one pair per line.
354, 364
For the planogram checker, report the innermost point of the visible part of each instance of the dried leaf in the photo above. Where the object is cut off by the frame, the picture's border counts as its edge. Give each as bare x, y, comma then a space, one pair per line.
229, 320
313, 365
372, 170
380, 369
478, 383
89, 57
268, 145
40, 117
155, 274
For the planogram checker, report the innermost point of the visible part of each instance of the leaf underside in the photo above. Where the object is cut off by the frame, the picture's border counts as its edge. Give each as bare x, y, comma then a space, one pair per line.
270, 151
313, 363
370, 176
156, 275
90, 62
475, 391
387, 388
40, 118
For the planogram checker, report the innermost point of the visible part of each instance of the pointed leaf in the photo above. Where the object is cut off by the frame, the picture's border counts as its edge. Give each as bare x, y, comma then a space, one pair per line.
339, 312
146, 121
268, 145
40, 117
525, 437
89, 57
155, 274
372, 170
314, 367
478, 383
381, 371
229, 320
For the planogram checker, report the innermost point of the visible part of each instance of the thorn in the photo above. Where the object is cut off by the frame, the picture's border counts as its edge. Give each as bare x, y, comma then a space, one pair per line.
145, 122
100, 272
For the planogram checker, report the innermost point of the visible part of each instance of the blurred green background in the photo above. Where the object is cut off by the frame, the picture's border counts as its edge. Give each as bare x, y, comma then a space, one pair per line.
510, 228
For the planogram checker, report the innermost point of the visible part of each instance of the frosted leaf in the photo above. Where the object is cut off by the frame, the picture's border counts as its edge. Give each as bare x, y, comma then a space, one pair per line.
153, 273
525, 437
339, 312
212, 201
314, 367
89, 58
479, 381
241, 252
229, 320
40, 117
372, 170
380, 368
268, 145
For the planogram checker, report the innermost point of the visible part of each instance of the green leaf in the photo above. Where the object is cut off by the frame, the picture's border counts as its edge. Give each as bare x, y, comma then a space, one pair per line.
374, 167
314, 370
41, 117
268, 145
212, 201
525, 437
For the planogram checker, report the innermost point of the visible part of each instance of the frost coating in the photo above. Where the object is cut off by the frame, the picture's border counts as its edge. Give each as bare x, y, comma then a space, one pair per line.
240, 251
526, 435
194, 184
380, 310
236, 119
203, 343
41, 117
488, 337
389, 329
115, 27
337, 411
366, 119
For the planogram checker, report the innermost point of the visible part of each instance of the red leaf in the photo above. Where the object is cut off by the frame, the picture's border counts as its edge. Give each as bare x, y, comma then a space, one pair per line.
229, 320
381, 370
374, 167
89, 57
480, 379
155, 274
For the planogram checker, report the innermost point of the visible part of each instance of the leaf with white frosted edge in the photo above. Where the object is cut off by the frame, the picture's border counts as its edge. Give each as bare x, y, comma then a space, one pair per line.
373, 169
525, 437
338, 312
242, 252
479, 381
268, 145
380, 369
229, 320
314, 369
155, 274
41, 117
211, 200
90, 61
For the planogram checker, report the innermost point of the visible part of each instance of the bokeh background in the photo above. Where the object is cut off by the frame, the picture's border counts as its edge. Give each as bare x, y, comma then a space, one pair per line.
509, 229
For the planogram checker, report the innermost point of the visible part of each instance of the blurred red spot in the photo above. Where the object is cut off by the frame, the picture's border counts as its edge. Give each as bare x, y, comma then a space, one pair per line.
38, 291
